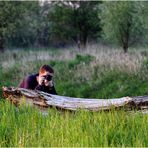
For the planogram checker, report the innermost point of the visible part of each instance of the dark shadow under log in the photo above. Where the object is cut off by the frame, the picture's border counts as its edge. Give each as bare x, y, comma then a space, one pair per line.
45, 100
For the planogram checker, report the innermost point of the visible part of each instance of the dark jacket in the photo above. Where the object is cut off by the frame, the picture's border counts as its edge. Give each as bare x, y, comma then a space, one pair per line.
30, 82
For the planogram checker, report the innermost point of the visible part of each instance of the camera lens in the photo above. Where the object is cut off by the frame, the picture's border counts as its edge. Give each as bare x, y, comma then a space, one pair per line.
48, 77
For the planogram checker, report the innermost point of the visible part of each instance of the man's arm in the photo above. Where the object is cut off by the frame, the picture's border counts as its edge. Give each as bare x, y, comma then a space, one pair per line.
24, 83
47, 89
40, 87
53, 91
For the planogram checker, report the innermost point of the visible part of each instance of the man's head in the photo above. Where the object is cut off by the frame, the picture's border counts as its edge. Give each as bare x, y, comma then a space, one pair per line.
45, 75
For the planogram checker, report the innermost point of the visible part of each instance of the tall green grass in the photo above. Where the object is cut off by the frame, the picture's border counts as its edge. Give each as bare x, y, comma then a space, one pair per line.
89, 74
28, 127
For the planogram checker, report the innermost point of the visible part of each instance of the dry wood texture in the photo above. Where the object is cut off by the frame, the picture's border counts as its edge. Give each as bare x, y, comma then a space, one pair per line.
19, 95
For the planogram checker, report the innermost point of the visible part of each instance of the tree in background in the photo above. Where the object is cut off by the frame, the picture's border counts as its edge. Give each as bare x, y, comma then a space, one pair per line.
122, 22
75, 20
17, 22
27, 24
32, 23
144, 13
8, 16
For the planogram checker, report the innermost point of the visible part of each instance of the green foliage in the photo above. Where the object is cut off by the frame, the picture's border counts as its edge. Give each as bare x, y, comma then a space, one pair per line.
33, 29
26, 29
75, 20
60, 23
112, 85
7, 19
117, 84
52, 22
125, 22
145, 63
80, 60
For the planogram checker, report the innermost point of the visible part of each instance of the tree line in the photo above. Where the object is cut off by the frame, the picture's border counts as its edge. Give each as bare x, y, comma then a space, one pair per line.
61, 23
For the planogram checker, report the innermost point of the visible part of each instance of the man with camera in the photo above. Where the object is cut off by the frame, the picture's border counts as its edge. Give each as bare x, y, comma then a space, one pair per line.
41, 81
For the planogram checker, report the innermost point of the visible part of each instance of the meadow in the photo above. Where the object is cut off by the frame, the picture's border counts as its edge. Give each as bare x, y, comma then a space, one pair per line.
97, 72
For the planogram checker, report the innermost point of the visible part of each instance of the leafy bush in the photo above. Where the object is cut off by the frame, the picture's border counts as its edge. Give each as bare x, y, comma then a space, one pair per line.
80, 59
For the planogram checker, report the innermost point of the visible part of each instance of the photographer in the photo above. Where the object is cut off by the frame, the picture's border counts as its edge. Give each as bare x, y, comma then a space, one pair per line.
41, 81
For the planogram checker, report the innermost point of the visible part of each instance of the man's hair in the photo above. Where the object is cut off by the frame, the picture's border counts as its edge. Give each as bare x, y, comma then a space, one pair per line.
46, 68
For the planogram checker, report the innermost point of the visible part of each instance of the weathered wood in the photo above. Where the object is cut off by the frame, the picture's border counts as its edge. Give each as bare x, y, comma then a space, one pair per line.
19, 95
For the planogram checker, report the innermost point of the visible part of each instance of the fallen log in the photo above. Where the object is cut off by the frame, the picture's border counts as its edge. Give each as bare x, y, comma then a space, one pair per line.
45, 100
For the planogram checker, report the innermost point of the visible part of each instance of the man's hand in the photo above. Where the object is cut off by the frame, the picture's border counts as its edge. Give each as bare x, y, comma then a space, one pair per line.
41, 80
48, 83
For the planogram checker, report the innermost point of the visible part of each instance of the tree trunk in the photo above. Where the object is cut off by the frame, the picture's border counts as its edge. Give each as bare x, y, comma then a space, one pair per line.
82, 40
1, 44
19, 95
126, 36
125, 47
